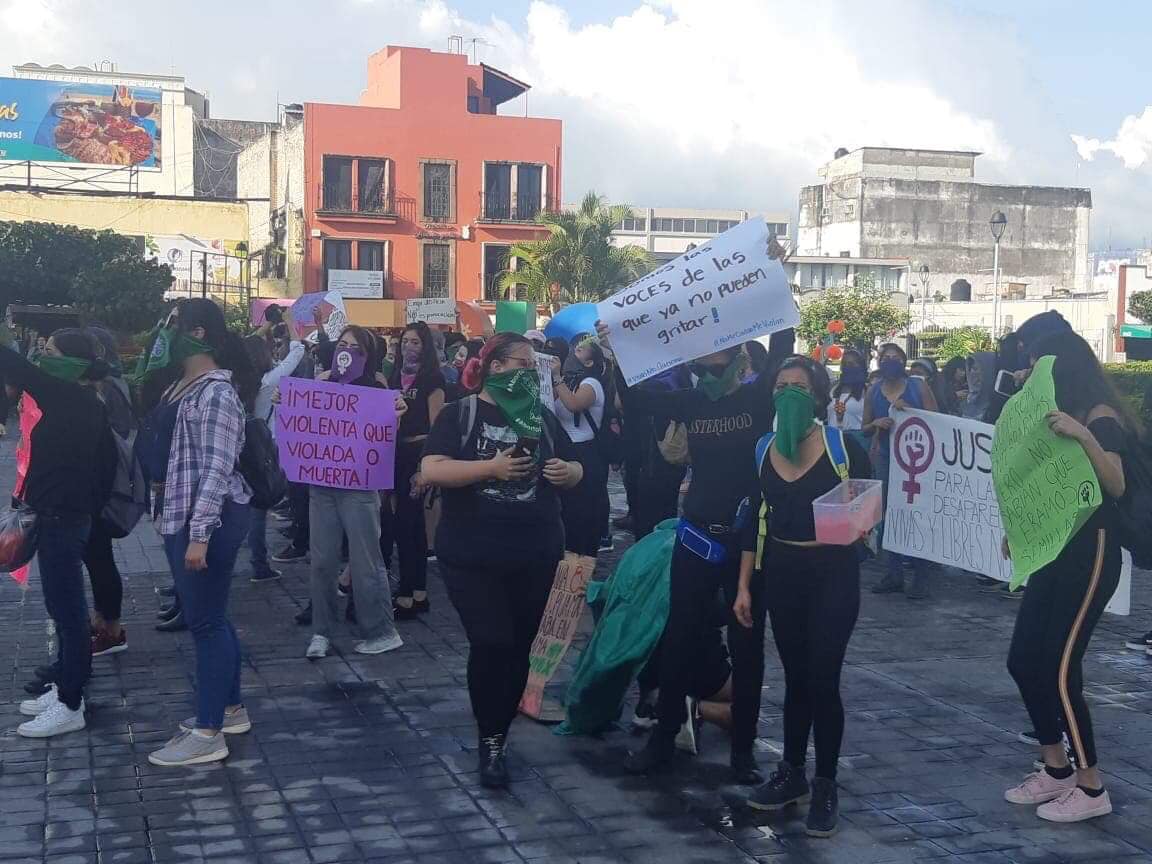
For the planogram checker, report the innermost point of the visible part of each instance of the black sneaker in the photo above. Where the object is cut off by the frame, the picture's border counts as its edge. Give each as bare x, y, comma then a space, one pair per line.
48, 672
268, 575
1140, 643
824, 811
166, 591
1028, 736
787, 786
37, 687
745, 771
304, 616
290, 555
658, 755
493, 763
412, 611
607, 544
645, 716
174, 624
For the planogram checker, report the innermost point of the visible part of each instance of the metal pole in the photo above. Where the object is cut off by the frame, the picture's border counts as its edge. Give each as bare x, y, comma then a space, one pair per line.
996, 295
924, 306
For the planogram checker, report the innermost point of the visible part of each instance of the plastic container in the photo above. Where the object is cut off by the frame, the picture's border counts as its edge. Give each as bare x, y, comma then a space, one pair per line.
847, 511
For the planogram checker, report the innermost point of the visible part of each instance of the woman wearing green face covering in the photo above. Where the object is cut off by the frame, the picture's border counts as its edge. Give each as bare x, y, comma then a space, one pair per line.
71, 464
499, 458
812, 590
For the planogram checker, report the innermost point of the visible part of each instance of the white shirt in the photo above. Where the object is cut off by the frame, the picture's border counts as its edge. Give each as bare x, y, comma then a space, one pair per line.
853, 412
583, 432
270, 383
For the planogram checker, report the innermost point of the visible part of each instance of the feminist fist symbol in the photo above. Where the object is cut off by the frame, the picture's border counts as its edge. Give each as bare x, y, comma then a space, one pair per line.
913, 448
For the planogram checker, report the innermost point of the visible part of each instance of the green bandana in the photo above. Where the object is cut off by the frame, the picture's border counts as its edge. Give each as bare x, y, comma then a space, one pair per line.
64, 368
172, 346
794, 419
717, 387
517, 395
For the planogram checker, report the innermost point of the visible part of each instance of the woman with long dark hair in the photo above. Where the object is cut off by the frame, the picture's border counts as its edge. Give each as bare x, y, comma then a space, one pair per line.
191, 444
334, 514
419, 379
846, 404
71, 465
812, 589
1066, 598
580, 386
499, 459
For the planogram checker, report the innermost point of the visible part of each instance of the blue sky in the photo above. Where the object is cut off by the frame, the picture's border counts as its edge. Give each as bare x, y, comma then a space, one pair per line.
722, 103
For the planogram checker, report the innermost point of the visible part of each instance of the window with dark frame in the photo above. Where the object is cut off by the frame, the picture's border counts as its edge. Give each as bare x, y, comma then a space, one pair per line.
437, 270
438, 191
495, 263
372, 175
370, 256
529, 190
337, 183
498, 190
336, 255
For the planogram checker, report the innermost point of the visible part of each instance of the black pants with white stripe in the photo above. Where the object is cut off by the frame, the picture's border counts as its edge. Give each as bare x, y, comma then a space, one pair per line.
1060, 609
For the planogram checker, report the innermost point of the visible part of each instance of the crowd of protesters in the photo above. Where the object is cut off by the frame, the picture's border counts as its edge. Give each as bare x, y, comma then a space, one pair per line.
754, 432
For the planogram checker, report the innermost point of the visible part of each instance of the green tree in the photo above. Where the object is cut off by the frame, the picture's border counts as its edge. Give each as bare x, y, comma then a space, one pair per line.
1140, 305
100, 273
577, 262
866, 311
963, 342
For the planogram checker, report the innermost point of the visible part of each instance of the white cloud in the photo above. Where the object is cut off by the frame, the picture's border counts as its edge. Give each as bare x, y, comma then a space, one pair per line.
1132, 144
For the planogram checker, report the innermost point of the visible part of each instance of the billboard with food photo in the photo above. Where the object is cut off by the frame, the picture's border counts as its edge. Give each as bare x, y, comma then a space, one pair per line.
89, 124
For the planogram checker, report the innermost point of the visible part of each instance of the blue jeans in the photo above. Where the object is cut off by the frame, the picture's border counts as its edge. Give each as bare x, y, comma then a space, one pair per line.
258, 542
204, 597
61, 541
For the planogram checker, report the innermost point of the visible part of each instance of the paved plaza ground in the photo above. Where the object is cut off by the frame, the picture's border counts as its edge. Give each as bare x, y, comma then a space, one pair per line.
373, 758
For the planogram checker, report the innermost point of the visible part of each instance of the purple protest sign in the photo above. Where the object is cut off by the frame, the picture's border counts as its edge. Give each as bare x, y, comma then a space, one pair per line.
338, 435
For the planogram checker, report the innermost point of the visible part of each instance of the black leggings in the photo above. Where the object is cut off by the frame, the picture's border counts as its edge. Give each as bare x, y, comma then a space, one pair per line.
813, 597
586, 506
103, 574
408, 529
500, 607
298, 505
694, 584
1059, 611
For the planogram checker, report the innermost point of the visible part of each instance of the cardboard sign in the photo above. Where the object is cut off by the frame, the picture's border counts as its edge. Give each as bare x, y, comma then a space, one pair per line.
544, 368
432, 310
716, 296
557, 627
334, 318
1045, 484
942, 502
357, 284
337, 435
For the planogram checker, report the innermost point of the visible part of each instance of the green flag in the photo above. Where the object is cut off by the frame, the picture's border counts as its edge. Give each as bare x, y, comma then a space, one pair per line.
1045, 484
515, 316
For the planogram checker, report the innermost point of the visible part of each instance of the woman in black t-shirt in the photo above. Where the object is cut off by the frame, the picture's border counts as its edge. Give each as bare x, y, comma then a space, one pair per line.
812, 589
417, 376
1066, 598
499, 458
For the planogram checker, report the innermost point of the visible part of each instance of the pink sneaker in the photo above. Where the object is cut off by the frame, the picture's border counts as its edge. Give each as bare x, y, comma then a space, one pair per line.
1040, 787
1075, 805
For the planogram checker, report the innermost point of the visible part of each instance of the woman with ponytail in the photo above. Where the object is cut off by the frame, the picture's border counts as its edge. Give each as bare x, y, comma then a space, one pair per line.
191, 444
499, 458
70, 471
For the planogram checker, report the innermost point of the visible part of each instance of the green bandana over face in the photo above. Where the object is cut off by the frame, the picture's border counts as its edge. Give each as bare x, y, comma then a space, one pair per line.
716, 387
516, 393
794, 419
172, 346
64, 368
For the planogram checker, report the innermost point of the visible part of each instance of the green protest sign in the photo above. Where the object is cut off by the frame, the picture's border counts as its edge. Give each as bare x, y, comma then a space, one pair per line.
515, 316
1045, 485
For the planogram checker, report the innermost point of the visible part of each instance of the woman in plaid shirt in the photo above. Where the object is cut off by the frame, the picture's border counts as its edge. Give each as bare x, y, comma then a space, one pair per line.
196, 435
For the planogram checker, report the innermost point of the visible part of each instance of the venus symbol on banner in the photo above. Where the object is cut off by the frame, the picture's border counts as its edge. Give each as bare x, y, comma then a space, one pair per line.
914, 448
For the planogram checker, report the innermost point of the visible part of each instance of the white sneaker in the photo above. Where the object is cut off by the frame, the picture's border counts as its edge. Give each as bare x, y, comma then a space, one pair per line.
56, 720
686, 737
380, 645
36, 707
318, 647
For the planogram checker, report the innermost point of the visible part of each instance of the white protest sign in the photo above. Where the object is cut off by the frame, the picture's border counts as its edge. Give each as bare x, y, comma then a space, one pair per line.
357, 284
720, 294
544, 369
941, 501
432, 310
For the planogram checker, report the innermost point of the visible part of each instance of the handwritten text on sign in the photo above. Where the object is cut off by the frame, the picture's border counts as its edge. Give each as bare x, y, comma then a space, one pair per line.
337, 435
432, 310
715, 296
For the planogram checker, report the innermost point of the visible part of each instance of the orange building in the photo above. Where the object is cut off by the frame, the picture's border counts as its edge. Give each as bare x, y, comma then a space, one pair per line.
423, 181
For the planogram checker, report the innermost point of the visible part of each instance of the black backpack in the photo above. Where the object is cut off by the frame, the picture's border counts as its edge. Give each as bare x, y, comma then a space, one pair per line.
260, 465
1134, 508
130, 496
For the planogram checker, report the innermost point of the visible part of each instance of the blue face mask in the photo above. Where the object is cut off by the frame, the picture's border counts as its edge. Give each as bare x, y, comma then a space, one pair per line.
891, 368
853, 375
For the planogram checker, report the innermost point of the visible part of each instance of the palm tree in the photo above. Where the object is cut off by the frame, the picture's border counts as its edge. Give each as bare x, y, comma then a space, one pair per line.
577, 262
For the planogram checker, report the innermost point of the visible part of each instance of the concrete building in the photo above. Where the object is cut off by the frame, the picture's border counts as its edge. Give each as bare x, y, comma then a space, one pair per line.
666, 232
809, 274
926, 206
423, 184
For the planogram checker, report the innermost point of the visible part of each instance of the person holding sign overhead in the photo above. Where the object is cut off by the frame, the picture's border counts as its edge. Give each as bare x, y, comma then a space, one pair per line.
419, 379
499, 458
1066, 598
353, 513
812, 589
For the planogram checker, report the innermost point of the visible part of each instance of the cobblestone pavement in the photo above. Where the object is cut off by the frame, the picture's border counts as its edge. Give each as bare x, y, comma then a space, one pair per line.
372, 758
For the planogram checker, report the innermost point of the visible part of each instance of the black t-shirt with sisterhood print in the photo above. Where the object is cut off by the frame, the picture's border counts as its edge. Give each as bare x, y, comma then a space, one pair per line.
415, 419
497, 521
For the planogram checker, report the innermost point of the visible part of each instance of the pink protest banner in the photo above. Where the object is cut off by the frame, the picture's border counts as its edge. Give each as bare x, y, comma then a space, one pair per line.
337, 435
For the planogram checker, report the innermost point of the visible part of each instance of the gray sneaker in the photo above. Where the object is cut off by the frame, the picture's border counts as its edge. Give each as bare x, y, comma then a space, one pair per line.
380, 644
318, 647
235, 722
190, 748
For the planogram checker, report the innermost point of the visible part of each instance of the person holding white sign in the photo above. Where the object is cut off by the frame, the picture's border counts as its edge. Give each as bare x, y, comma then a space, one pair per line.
812, 589
724, 419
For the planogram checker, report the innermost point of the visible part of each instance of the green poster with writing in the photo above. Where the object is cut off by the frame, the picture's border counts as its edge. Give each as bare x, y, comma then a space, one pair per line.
515, 316
1045, 485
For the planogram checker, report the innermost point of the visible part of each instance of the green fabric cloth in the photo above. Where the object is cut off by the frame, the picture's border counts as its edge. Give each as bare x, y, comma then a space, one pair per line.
64, 368
516, 393
172, 346
794, 419
717, 387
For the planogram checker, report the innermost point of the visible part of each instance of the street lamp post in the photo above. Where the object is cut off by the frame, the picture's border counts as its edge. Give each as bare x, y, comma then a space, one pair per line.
997, 223
924, 274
